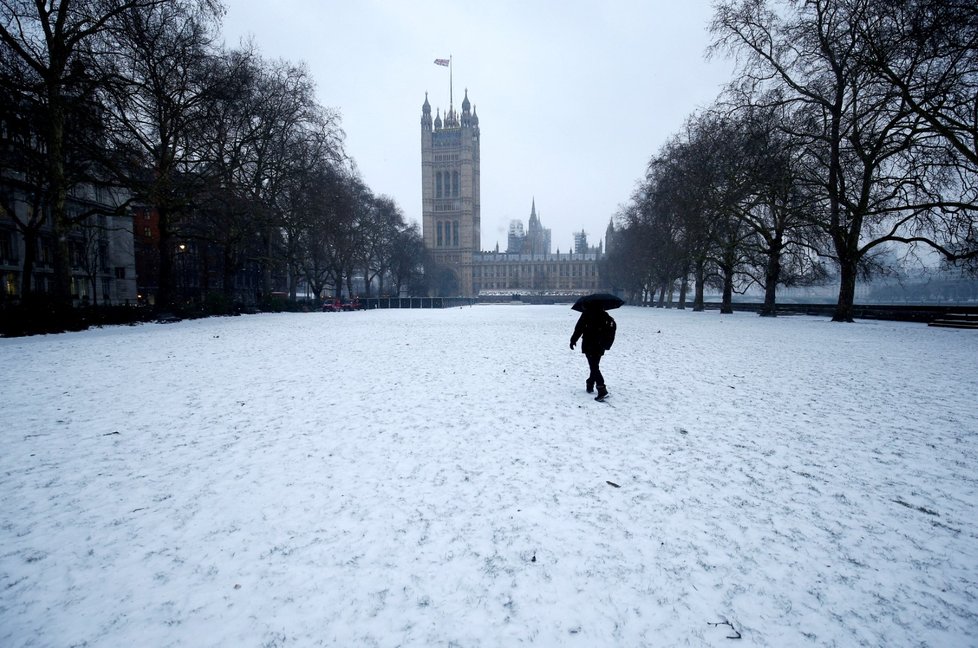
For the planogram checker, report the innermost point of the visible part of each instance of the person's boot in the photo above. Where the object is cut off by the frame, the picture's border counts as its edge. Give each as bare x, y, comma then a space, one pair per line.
602, 393
590, 386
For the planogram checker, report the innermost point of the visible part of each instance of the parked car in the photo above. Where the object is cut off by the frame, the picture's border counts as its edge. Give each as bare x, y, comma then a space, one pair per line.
337, 305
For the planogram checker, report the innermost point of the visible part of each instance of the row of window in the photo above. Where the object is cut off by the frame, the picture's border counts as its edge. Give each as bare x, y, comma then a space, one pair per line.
446, 233
82, 254
548, 284
553, 269
448, 205
446, 184
80, 288
8, 251
44, 255
10, 284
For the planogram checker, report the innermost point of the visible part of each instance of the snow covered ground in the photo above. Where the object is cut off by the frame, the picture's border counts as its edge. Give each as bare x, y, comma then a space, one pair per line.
440, 478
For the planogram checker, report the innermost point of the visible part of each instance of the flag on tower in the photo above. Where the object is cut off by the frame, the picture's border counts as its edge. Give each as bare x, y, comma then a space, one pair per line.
443, 62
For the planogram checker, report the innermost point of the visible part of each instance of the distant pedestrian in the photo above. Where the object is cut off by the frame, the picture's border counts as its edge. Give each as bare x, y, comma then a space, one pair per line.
596, 330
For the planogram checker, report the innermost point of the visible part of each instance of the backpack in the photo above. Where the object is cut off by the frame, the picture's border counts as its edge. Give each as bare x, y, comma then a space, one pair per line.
606, 331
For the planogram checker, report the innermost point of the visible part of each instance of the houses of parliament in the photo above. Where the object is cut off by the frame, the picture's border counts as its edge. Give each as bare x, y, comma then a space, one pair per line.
451, 223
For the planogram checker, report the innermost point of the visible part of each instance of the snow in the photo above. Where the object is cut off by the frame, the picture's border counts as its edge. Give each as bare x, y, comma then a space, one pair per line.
440, 477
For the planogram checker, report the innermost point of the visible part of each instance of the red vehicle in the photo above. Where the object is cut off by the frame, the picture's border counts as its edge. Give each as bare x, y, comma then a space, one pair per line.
337, 305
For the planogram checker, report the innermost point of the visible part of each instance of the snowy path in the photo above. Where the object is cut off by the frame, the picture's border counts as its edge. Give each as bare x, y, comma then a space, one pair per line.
418, 478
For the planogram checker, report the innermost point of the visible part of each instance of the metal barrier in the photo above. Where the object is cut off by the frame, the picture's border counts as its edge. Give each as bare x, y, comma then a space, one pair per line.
415, 302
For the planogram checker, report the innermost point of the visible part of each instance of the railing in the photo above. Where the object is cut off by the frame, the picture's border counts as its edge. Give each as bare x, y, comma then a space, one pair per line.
895, 312
415, 302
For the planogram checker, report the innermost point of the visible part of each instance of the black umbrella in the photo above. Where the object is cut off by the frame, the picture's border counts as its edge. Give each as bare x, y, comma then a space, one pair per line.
602, 301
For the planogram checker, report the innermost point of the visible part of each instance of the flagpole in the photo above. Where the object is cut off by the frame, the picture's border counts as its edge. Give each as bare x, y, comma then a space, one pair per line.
450, 81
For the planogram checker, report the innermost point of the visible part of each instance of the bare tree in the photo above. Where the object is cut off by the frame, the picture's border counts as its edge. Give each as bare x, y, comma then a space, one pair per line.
157, 62
780, 245
860, 136
407, 260
316, 148
381, 236
52, 41
23, 168
686, 206
630, 256
928, 51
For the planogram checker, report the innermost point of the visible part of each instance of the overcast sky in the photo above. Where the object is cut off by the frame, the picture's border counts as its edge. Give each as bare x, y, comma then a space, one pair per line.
573, 97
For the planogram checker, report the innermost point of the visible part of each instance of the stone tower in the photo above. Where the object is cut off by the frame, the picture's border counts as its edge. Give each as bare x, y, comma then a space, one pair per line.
450, 211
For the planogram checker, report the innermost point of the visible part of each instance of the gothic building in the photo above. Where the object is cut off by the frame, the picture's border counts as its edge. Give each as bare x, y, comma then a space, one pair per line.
534, 240
451, 223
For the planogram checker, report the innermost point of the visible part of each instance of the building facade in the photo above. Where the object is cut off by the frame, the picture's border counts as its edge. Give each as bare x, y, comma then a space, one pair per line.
451, 219
535, 239
99, 246
451, 223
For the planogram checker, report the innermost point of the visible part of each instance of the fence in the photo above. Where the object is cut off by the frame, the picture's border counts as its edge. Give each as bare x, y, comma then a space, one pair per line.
415, 302
894, 312
902, 312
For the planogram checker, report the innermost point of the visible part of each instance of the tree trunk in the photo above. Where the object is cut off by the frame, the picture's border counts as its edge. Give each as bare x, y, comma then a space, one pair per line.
293, 285
699, 282
366, 281
30, 255
266, 266
683, 288
164, 288
227, 278
847, 292
771, 279
726, 305
57, 195
93, 279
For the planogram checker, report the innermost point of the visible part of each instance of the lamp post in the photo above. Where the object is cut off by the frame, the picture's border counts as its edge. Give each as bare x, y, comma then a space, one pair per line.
182, 263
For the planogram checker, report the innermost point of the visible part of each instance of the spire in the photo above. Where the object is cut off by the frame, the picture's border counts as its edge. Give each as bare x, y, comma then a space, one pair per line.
466, 113
438, 119
426, 114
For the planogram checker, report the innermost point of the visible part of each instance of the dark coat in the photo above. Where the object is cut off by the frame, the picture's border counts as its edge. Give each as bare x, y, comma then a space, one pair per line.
588, 325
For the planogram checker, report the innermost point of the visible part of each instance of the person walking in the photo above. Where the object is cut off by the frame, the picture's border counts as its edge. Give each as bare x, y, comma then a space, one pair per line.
592, 329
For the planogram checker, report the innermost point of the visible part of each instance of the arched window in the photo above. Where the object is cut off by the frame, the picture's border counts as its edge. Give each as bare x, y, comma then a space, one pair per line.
439, 234
455, 233
438, 184
455, 184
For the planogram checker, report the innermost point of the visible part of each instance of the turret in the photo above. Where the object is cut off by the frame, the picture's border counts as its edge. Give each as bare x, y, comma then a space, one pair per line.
466, 114
426, 114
